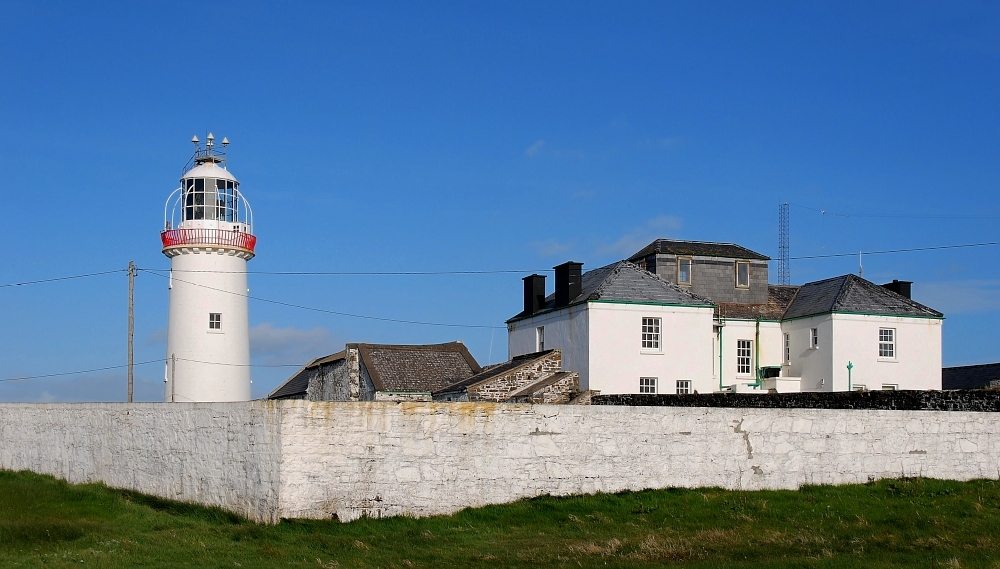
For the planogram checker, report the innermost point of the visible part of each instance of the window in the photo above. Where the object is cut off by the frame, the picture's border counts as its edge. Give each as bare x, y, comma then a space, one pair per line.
742, 274
647, 385
540, 339
683, 271
889, 387
651, 333
214, 321
744, 357
814, 338
788, 348
887, 343
683, 386
859, 387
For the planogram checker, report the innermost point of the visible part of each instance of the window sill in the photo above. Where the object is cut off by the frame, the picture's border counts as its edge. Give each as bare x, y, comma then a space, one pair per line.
651, 352
889, 360
215, 331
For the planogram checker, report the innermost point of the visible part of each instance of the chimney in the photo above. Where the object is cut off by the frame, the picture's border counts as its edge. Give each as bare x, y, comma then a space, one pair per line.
899, 287
534, 294
568, 277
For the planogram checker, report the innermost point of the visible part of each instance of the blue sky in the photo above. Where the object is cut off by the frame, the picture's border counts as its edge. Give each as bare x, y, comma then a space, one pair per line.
462, 136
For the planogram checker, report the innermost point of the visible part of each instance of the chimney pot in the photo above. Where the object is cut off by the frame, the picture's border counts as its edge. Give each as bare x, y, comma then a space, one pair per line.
568, 282
534, 294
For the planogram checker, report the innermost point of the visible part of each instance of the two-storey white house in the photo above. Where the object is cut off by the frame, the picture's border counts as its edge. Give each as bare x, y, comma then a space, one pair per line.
684, 316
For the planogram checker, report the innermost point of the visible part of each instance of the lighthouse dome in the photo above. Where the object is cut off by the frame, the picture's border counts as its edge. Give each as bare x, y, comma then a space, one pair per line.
209, 170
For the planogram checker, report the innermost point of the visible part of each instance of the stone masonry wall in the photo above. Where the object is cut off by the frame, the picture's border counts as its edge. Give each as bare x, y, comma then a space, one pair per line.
500, 387
300, 458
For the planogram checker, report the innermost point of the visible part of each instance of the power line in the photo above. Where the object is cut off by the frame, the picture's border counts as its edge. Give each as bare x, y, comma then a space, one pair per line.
322, 310
894, 216
236, 365
22, 378
898, 250
366, 273
63, 278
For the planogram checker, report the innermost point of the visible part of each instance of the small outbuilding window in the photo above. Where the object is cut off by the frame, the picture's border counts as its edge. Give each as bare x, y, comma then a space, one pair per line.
214, 321
683, 386
647, 385
742, 274
651, 333
887, 343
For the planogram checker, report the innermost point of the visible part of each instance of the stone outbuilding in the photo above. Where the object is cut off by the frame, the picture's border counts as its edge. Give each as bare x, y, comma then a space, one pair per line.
381, 372
530, 378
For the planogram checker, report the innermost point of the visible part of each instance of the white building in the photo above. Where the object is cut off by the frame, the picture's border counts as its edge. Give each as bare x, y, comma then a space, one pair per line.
208, 236
628, 330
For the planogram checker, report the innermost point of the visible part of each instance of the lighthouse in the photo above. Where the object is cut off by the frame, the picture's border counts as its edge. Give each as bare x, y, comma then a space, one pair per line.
208, 237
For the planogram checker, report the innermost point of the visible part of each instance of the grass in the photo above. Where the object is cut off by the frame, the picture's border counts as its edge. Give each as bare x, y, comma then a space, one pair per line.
889, 523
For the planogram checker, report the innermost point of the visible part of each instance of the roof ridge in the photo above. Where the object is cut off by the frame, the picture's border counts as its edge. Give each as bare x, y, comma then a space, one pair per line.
842, 291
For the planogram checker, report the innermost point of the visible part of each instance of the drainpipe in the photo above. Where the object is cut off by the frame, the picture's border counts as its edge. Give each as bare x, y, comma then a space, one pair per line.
756, 355
722, 324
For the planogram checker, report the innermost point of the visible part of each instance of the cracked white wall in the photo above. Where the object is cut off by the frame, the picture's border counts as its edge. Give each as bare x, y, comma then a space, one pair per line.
318, 459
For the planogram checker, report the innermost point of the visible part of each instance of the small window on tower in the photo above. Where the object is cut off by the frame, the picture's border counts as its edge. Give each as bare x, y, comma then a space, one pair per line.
214, 321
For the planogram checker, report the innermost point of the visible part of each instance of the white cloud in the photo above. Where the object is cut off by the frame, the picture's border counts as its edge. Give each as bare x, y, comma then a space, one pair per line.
534, 149
655, 228
550, 247
959, 297
270, 345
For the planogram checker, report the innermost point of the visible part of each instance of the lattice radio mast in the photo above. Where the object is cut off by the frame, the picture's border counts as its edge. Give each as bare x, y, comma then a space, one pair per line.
784, 271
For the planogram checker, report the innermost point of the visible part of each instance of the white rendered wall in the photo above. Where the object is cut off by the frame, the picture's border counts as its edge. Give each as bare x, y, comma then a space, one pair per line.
617, 359
917, 364
770, 350
271, 460
202, 282
814, 366
565, 330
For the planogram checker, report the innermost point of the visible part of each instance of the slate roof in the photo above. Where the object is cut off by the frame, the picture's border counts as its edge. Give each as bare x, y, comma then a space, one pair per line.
779, 297
626, 282
295, 387
421, 368
698, 249
853, 294
495, 370
969, 377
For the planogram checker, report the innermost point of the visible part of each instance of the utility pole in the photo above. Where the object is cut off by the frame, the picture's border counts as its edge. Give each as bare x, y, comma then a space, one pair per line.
131, 322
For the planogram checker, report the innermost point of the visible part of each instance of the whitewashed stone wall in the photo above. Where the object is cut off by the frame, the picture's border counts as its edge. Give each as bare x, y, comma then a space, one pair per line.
218, 454
320, 459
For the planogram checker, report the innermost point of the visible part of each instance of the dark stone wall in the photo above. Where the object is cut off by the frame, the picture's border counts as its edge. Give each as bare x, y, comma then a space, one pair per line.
987, 400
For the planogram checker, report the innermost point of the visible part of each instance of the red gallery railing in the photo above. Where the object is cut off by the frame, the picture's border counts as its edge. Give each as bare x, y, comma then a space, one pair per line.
208, 237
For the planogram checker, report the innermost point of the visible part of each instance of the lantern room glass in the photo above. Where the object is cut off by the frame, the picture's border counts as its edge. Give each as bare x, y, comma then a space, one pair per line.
212, 199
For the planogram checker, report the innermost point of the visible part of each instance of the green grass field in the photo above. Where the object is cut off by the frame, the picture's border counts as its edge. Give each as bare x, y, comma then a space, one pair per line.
891, 523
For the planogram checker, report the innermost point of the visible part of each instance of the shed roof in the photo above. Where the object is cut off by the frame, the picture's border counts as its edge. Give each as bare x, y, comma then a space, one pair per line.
969, 377
420, 368
698, 249
853, 294
624, 281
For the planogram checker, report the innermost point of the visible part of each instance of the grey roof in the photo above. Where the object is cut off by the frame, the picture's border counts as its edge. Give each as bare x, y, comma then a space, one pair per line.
969, 377
495, 370
295, 387
853, 294
698, 249
626, 282
422, 368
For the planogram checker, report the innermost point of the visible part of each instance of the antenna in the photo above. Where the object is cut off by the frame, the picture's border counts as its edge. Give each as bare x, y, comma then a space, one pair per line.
209, 141
194, 141
784, 270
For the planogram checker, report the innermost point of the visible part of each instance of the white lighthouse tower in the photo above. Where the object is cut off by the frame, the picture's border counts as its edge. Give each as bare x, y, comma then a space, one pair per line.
208, 236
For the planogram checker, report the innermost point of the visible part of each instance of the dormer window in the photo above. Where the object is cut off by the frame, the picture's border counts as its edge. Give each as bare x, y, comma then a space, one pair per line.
742, 274
684, 271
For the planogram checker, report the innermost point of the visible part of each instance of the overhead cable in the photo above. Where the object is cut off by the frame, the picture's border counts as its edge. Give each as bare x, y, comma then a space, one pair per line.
895, 216
897, 250
63, 278
322, 310
22, 378
367, 273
